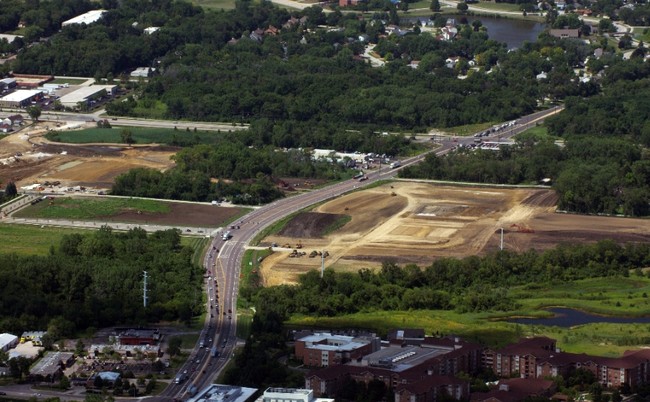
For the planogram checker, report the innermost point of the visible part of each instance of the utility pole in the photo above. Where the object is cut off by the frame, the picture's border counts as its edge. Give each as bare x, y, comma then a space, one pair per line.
144, 290
501, 239
322, 264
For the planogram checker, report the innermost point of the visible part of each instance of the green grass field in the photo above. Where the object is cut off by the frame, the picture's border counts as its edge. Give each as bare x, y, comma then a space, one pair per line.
608, 296
493, 6
64, 80
215, 4
244, 322
199, 244
31, 240
140, 135
87, 208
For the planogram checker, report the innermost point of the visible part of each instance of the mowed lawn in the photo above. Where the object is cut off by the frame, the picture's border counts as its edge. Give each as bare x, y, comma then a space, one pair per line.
89, 208
140, 135
30, 239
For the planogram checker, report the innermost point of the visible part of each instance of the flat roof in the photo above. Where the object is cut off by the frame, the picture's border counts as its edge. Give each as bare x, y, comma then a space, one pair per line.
84, 93
322, 336
6, 339
223, 393
9, 37
21, 95
400, 358
86, 18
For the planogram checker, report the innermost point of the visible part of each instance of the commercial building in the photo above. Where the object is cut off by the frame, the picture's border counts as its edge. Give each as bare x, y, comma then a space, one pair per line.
325, 349
51, 366
8, 341
87, 18
139, 336
8, 83
421, 372
290, 395
33, 336
125, 350
143, 72
85, 95
223, 393
20, 98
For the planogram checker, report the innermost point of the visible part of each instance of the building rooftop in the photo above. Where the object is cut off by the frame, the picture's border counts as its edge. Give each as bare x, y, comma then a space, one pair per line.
398, 359
110, 376
20, 95
6, 339
327, 341
87, 18
50, 363
83, 93
223, 393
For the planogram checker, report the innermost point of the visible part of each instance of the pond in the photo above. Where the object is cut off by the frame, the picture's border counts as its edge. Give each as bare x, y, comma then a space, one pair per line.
513, 32
567, 317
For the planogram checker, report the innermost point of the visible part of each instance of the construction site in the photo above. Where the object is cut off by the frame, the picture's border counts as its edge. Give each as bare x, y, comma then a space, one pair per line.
416, 222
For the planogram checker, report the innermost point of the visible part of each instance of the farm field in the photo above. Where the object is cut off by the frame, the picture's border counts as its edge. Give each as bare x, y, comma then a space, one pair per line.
140, 135
27, 157
31, 239
132, 210
425, 221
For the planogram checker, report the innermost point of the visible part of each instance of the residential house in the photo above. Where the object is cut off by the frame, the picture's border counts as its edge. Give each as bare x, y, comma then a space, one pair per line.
565, 33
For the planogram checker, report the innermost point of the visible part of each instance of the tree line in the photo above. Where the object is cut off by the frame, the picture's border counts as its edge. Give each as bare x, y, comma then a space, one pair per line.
95, 280
232, 171
466, 285
590, 174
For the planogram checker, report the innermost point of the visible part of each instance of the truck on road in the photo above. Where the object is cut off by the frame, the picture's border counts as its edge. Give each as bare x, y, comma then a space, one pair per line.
226, 236
181, 377
214, 352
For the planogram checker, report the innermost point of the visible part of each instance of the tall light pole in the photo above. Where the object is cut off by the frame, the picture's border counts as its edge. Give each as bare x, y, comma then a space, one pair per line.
322, 263
144, 290
501, 239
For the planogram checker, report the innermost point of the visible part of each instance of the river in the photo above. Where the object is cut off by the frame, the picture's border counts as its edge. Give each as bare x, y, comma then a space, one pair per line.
567, 317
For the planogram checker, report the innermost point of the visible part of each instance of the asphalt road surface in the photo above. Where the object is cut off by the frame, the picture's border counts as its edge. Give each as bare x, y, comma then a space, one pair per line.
224, 265
223, 262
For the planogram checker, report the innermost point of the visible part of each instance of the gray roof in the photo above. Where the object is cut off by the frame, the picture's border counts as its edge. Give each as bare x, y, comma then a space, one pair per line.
7, 339
51, 363
223, 393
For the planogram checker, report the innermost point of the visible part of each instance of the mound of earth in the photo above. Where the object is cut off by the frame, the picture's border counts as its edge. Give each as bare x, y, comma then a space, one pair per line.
309, 225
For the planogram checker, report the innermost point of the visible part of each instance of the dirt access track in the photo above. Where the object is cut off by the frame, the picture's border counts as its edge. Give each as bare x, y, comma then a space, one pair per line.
423, 221
26, 157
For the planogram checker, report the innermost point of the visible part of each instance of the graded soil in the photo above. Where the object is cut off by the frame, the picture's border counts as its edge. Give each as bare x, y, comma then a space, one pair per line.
418, 222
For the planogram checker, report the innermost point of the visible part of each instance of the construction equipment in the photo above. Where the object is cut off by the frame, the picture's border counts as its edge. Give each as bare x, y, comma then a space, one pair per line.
521, 228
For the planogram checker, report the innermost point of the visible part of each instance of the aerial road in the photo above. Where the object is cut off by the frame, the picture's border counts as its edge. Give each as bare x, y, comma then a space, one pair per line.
224, 257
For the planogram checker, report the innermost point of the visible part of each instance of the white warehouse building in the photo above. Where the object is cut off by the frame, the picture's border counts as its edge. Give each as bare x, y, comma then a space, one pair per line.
87, 18
7, 341
86, 94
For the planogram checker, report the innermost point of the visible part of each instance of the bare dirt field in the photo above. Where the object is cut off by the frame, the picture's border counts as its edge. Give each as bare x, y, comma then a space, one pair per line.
26, 157
422, 222
181, 214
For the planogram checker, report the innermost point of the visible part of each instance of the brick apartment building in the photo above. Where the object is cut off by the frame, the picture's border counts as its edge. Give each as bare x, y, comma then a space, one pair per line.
325, 349
539, 358
416, 373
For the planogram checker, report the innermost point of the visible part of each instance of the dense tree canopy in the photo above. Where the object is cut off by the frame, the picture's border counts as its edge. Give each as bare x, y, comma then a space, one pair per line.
469, 284
95, 280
